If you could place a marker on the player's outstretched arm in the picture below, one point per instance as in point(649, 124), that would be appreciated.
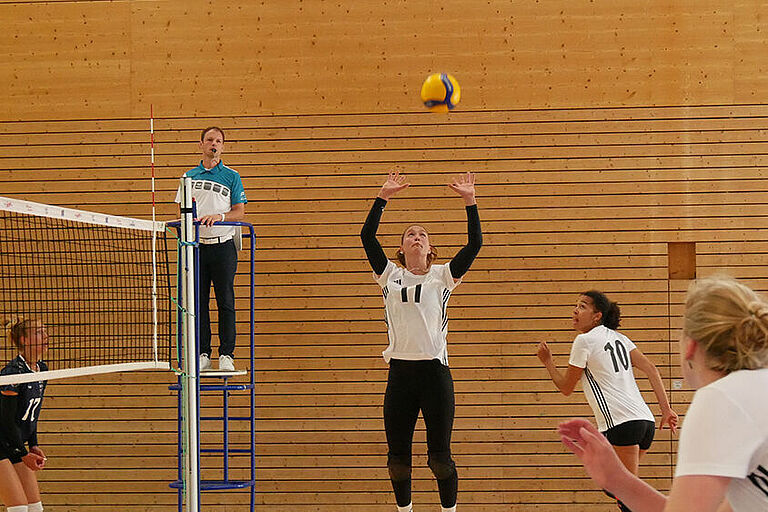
point(464, 185)
point(645, 365)
point(376, 257)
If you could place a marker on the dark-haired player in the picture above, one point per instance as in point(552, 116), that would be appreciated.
point(19, 411)
point(603, 359)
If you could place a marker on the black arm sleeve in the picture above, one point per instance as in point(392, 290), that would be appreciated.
point(461, 262)
point(373, 250)
point(12, 434)
point(33, 438)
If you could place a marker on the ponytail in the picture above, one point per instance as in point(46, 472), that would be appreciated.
point(610, 310)
point(730, 323)
point(16, 327)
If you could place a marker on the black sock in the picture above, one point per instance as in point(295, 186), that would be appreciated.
point(449, 490)
point(402, 490)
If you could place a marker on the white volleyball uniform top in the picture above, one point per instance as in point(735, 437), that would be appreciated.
point(725, 433)
point(608, 379)
point(415, 309)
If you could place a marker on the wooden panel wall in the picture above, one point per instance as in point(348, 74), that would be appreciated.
point(570, 199)
point(600, 133)
point(96, 59)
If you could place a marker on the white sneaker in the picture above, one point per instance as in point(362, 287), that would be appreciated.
point(226, 363)
point(205, 362)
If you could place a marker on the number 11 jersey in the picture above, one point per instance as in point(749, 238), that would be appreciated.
point(416, 312)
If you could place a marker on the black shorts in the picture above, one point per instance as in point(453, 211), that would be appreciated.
point(635, 432)
point(5, 454)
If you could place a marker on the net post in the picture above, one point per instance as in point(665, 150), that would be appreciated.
point(189, 346)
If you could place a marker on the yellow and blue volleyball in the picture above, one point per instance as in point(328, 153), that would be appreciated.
point(440, 92)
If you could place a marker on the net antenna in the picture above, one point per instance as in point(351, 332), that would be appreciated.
point(91, 278)
point(154, 233)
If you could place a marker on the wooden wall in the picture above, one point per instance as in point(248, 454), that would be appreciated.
point(598, 134)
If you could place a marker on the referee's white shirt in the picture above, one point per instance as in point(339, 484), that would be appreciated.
point(608, 379)
point(416, 316)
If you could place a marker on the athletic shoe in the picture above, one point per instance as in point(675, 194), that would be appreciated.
point(205, 362)
point(226, 364)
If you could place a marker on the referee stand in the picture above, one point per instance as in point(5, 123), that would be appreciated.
point(190, 386)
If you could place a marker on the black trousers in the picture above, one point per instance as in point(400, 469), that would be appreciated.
point(425, 386)
point(218, 265)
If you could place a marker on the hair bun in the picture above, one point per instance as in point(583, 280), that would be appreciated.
point(758, 309)
point(12, 321)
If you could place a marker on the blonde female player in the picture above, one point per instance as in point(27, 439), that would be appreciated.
point(19, 411)
point(722, 457)
point(603, 359)
point(415, 299)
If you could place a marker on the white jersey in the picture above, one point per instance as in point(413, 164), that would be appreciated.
point(416, 316)
point(608, 379)
point(725, 433)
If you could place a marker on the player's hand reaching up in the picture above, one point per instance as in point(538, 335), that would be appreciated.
point(543, 352)
point(394, 184)
point(464, 185)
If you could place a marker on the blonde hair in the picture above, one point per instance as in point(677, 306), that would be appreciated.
point(730, 323)
point(17, 327)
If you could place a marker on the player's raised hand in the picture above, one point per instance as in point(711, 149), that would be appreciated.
point(464, 185)
point(394, 184)
point(543, 352)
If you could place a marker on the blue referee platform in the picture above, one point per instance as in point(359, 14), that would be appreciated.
point(219, 387)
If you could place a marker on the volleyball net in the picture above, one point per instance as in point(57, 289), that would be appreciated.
point(100, 283)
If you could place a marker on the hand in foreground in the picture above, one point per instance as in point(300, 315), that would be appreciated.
point(669, 417)
point(394, 184)
point(34, 461)
point(464, 185)
point(543, 352)
point(595, 452)
point(38, 451)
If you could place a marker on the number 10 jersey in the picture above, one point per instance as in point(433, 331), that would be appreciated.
point(608, 379)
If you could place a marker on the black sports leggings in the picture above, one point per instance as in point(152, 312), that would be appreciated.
point(425, 386)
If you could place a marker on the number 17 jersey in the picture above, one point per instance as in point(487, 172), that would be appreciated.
point(416, 312)
point(608, 379)
point(29, 396)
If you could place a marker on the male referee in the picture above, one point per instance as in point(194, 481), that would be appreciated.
point(219, 195)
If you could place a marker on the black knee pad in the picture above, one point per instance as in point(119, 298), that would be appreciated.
point(399, 468)
point(442, 465)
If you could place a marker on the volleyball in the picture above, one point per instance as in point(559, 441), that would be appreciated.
point(440, 92)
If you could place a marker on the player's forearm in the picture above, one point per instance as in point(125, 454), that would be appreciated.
point(637, 495)
point(557, 377)
point(658, 388)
